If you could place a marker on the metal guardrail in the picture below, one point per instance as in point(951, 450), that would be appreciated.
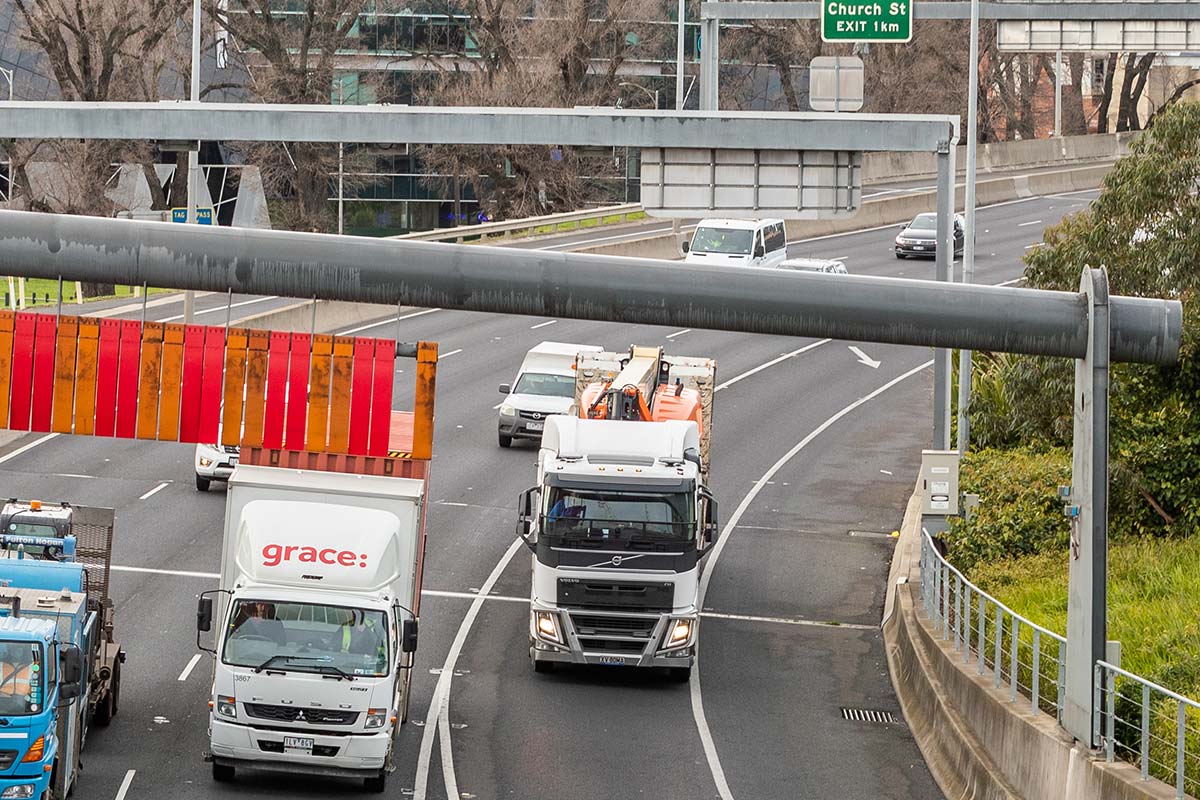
point(1029, 659)
point(1136, 720)
point(529, 225)
point(1153, 727)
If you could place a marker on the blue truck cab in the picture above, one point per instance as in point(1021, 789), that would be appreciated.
point(59, 667)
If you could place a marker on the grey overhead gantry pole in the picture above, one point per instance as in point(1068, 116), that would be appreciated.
point(945, 272)
point(964, 356)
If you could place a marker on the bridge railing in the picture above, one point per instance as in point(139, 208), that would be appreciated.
point(1136, 720)
point(1027, 658)
point(528, 226)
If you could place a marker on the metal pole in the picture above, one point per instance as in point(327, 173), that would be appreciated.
point(1057, 92)
point(341, 218)
point(945, 261)
point(8, 76)
point(709, 66)
point(964, 356)
point(679, 56)
point(1088, 512)
point(189, 298)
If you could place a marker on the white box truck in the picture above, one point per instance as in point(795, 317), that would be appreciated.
point(314, 622)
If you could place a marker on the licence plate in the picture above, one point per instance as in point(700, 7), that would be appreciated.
point(298, 745)
point(616, 661)
point(535, 426)
point(919, 247)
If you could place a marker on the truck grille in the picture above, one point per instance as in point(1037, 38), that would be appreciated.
point(230, 449)
point(313, 716)
point(318, 750)
point(597, 625)
point(7, 757)
point(617, 595)
point(534, 415)
point(610, 646)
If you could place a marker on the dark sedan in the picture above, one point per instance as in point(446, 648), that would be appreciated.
point(919, 237)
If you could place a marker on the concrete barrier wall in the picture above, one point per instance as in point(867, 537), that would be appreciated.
point(978, 744)
point(894, 210)
point(331, 316)
point(994, 156)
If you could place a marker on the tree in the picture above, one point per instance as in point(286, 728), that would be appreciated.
point(571, 53)
point(1145, 230)
point(97, 50)
point(291, 56)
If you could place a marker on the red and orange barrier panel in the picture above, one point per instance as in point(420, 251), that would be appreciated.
point(197, 383)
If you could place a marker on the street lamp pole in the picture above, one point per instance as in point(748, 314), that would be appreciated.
point(964, 356)
point(679, 59)
point(189, 297)
point(341, 217)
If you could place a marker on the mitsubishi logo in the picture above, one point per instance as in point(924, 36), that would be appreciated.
point(300, 716)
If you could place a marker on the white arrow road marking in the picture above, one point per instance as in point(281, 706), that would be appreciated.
point(863, 358)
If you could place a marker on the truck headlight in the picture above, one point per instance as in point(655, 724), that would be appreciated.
point(205, 461)
point(376, 717)
point(507, 411)
point(546, 625)
point(680, 633)
point(21, 790)
point(226, 707)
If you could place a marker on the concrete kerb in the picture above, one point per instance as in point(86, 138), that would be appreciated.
point(976, 742)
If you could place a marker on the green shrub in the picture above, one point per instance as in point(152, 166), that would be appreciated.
point(1019, 511)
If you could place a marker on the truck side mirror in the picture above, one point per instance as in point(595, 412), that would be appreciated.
point(506, 389)
point(685, 246)
point(69, 691)
point(712, 526)
point(525, 515)
point(71, 667)
point(759, 251)
point(204, 614)
point(408, 636)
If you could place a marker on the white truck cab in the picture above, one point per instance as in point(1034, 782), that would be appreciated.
point(314, 630)
point(737, 243)
point(545, 385)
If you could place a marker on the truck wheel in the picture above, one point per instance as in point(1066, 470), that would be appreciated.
point(222, 773)
point(505, 441)
point(376, 784)
point(679, 674)
point(202, 484)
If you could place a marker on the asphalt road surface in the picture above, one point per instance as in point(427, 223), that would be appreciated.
point(814, 456)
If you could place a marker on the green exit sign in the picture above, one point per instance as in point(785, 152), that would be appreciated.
point(884, 21)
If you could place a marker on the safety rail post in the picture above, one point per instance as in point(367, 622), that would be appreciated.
point(1110, 706)
point(967, 625)
point(998, 655)
point(982, 625)
point(945, 605)
point(1145, 732)
point(1037, 669)
point(1012, 659)
point(1097, 681)
point(1060, 684)
point(1180, 744)
point(957, 611)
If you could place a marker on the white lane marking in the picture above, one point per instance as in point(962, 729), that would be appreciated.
point(154, 491)
point(441, 693)
point(451, 353)
point(863, 358)
point(28, 447)
point(710, 748)
point(176, 572)
point(1010, 283)
point(497, 405)
point(191, 665)
point(678, 333)
point(853, 626)
point(370, 325)
point(125, 784)
point(771, 363)
point(215, 309)
point(1032, 246)
point(472, 596)
point(74, 475)
point(542, 324)
point(1027, 224)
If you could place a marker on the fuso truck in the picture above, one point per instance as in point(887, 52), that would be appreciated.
point(315, 622)
point(621, 517)
point(60, 668)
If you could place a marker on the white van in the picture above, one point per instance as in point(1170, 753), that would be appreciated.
point(545, 385)
point(738, 243)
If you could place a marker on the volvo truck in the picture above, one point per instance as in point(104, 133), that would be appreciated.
point(621, 516)
point(60, 666)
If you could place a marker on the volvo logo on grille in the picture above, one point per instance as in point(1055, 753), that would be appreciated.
point(616, 561)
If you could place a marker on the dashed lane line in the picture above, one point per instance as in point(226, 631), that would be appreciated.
point(28, 447)
point(191, 665)
point(155, 490)
point(543, 324)
point(370, 325)
point(678, 333)
point(215, 309)
point(1027, 224)
point(451, 353)
point(125, 784)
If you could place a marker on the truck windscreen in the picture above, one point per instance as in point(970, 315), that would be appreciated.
point(21, 680)
point(307, 637)
point(620, 516)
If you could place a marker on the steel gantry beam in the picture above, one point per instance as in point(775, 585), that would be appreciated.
point(579, 286)
point(1165, 10)
point(385, 124)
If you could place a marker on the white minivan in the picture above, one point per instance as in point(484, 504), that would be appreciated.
point(738, 243)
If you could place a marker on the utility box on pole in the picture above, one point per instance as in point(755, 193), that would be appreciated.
point(939, 483)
